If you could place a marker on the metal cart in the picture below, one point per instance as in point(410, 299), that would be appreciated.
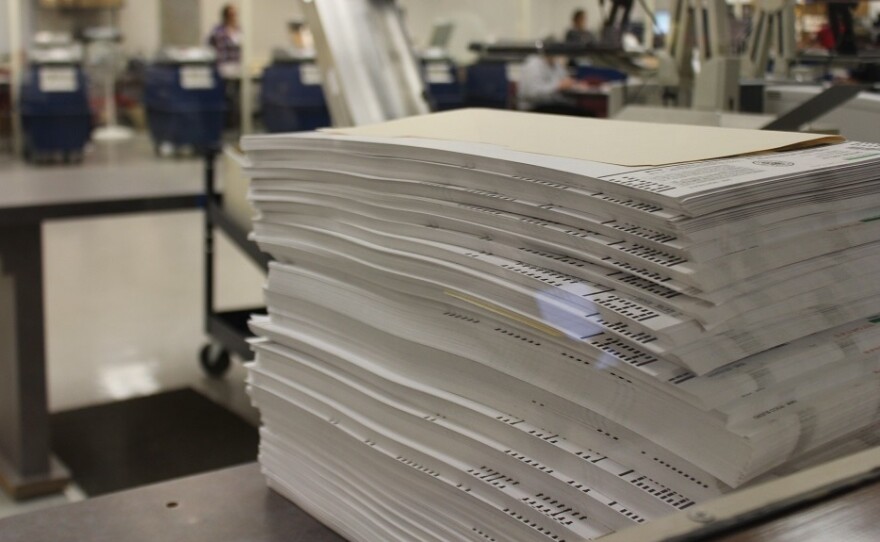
point(227, 330)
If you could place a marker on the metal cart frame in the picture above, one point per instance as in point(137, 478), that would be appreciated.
point(228, 330)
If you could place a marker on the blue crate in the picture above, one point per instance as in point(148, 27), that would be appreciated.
point(445, 95)
point(54, 120)
point(600, 74)
point(200, 128)
point(290, 104)
point(487, 85)
point(56, 133)
point(280, 118)
point(164, 89)
point(182, 114)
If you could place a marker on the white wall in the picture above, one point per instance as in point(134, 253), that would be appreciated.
point(549, 17)
point(270, 22)
point(4, 29)
point(56, 20)
point(554, 17)
point(477, 20)
point(482, 20)
point(210, 14)
point(139, 23)
point(491, 18)
point(138, 20)
point(510, 19)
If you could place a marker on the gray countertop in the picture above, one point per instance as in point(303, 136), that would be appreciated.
point(229, 505)
point(110, 175)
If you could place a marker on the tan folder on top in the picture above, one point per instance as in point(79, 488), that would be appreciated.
point(611, 141)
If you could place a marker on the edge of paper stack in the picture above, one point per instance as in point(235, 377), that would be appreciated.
point(469, 341)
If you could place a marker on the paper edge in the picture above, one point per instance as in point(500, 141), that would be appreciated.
point(816, 141)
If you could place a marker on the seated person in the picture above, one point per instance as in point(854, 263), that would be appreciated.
point(542, 83)
point(578, 33)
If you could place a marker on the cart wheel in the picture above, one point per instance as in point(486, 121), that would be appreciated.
point(215, 360)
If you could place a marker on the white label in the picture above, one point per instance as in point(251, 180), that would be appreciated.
point(681, 181)
point(196, 77)
point(58, 80)
point(439, 74)
point(309, 74)
point(513, 71)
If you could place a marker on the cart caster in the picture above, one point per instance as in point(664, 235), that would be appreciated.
point(215, 360)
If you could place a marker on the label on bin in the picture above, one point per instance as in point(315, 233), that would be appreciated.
point(196, 77)
point(438, 73)
point(58, 79)
point(309, 74)
point(513, 70)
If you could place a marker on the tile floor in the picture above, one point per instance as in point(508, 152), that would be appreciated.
point(124, 311)
point(124, 306)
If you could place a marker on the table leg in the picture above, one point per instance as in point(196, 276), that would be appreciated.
point(26, 467)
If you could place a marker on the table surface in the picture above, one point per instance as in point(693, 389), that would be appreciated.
point(229, 505)
point(234, 504)
point(851, 517)
point(110, 173)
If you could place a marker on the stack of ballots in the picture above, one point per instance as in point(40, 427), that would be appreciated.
point(489, 325)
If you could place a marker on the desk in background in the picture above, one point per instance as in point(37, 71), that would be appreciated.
point(115, 179)
point(602, 101)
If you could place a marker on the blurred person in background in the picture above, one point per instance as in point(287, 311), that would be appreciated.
point(578, 33)
point(225, 38)
point(543, 84)
point(840, 19)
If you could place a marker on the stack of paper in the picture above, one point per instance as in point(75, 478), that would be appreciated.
point(491, 325)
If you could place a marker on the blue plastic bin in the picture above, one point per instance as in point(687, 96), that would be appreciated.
point(487, 85)
point(185, 108)
point(289, 102)
point(444, 85)
point(600, 74)
point(54, 109)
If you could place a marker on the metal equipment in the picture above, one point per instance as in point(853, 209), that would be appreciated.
point(370, 71)
point(715, 85)
point(228, 329)
point(773, 27)
point(853, 110)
